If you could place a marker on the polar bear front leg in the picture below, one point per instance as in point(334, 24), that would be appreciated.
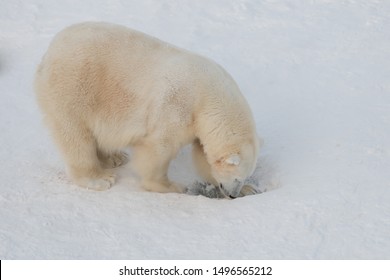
point(200, 161)
point(151, 164)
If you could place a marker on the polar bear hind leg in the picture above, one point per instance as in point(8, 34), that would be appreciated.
point(78, 147)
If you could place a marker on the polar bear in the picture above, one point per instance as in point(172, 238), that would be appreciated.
point(103, 87)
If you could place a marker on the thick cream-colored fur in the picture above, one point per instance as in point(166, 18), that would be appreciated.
point(103, 87)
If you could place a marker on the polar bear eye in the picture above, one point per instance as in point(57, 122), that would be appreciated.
point(233, 160)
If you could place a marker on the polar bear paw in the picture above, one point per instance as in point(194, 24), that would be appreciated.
point(101, 183)
point(115, 160)
point(249, 189)
point(162, 188)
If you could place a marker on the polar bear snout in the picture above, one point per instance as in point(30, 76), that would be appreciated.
point(233, 189)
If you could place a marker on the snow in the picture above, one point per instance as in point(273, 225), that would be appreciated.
point(316, 74)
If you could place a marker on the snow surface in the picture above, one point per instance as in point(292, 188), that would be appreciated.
point(317, 76)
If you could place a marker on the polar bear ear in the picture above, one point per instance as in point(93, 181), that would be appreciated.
point(233, 160)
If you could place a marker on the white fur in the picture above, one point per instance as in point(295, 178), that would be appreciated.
point(103, 87)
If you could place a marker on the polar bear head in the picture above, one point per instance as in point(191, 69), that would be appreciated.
point(230, 169)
